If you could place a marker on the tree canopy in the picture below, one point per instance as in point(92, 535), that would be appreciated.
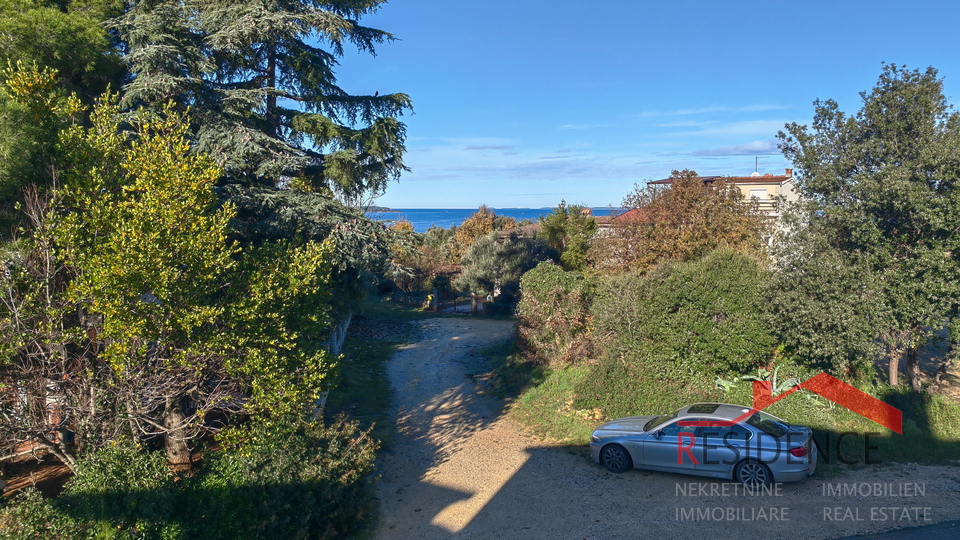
point(68, 37)
point(264, 99)
point(684, 220)
point(880, 188)
point(130, 294)
point(569, 229)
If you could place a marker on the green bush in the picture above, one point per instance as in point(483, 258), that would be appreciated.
point(271, 481)
point(285, 481)
point(553, 316)
point(665, 335)
point(126, 491)
point(491, 261)
point(692, 319)
point(30, 516)
point(120, 492)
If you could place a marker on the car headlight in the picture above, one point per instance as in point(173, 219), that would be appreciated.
point(594, 438)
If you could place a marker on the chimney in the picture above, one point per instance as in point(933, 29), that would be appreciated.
point(789, 172)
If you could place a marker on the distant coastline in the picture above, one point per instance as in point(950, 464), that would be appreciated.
point(424, 218)
point(378, 210)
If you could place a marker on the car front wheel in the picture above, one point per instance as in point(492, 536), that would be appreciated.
point(753, 474)
point(616, 458)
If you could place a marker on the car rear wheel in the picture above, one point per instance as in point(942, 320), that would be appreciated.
point(616, 458)
point(753, 474)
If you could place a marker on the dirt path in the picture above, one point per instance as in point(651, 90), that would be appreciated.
point(462, 468)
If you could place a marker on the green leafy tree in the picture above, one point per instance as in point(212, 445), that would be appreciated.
point(133, 299)
point(265, 100)
point(493, 266)
point(826, 308)
point(880, 187)
point(361, 246)
point(149, 253)
point(34, 110)
point(48, 51)
point(149, 246)
point(569, 229)
point(483, 222)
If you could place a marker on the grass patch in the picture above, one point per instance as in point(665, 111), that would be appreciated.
point(566, 404)
point(362, 390)
point(509, 377)
point(931, 426)
point(385, 308)
point(548, 407)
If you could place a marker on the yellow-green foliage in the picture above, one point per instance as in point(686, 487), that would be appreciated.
point(142, 229)
point(276, 324)
point(33, 110)
point(148, 246)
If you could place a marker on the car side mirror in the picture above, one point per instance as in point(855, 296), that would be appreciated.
point(657, 434)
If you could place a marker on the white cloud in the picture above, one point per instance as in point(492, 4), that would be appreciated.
point(716, 108)
point(748, 127)
point(755, 148)
point(686, 123)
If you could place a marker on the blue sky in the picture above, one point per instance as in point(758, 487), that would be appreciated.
point(523, 103)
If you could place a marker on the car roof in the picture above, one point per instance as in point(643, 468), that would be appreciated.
point(721, 411)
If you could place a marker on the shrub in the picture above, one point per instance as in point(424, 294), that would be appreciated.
point(698, 318)
point(288, 481)
point(491, 262)
point(568, 229)
point(30, 516)
point(120, 492)
point(126, 490)
point(667, 334)
point(554, 315)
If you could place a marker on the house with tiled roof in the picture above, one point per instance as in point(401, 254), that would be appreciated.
point(765, 188)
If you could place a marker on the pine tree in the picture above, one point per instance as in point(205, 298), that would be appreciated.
point(264, 98)
point(68, 37)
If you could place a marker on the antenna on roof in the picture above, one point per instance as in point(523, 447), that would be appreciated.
point(756, 166)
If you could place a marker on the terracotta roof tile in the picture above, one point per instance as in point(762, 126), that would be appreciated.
point(765, 179)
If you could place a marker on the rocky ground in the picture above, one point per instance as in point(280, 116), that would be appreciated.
point(461, 467)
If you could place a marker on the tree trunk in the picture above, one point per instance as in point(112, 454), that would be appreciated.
point(913, 368)
point(273, 120)
point(953, 349)
point(175, 438)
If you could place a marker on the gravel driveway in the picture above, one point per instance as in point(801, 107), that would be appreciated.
point(461, 467)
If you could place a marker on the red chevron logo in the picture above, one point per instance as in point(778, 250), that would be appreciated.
point(824, 385)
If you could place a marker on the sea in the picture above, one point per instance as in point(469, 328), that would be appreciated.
point(424, 218)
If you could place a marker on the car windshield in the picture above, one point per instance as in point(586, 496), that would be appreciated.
point(768, 424)
point(660, 420)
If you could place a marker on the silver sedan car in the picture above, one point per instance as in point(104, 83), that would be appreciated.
point(716, 440)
